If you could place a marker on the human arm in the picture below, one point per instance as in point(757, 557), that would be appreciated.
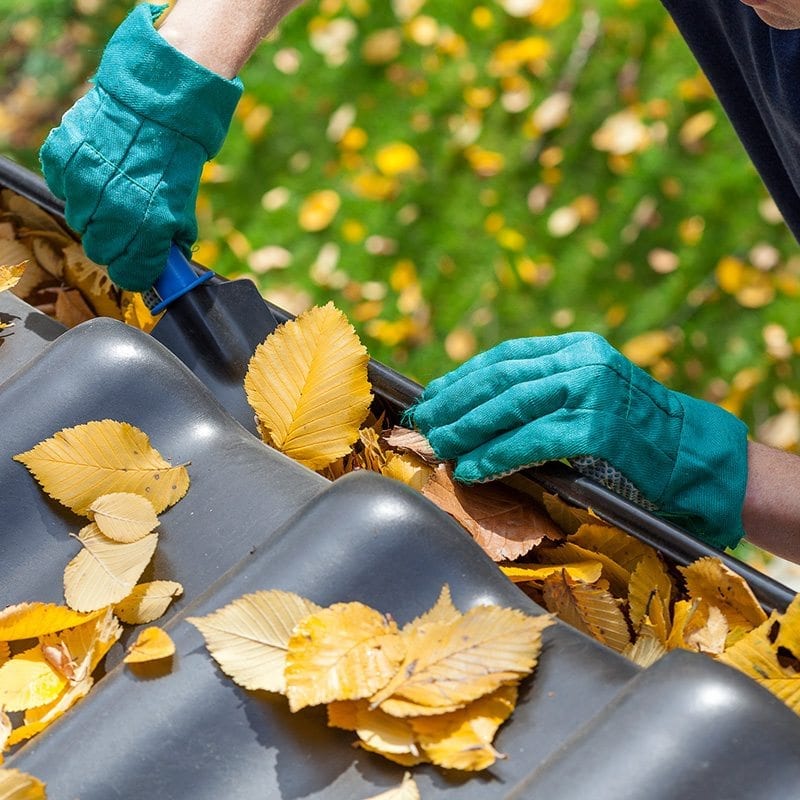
point(222, 36)
point(771, 512)
point(128, 156)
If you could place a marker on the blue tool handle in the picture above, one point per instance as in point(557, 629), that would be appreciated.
point(178, 278)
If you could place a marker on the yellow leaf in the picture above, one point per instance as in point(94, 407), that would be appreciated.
point(407, 790)
point(646, 650)
point(383, 733)
point(307, 383)
point(152, 644)
point(5, 652)
point(648, 348)
point(587, 608)
point(123, 516)
point(568, 518)
point(585, 571)
point(136, 314)
point(442, 611)
point(250, 636)
point(688, 616)
point(342, 714)
point(789, 633)
point(650, 583)
point(710, 581)
point(78, 465)
point(5, 731)
point(28, 680)
point(37, 719)
point(32, 620)
point(568, 553)
point(105, 571)
point(10, 276)
point(463, 739)
point(408, 469)
point(86, 644)
point(404, 759)
point(619, 546)
point(16, 785)
point(712, 636)
point(344, 652)
point(147, 602)
point(454, 663)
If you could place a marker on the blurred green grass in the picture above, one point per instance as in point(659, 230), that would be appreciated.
point(507, 221)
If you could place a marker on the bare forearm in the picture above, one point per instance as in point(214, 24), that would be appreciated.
point(771, 513)
point(222, 36)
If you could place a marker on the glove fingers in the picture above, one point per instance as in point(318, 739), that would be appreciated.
point(511, 350)
point(511, 410)
point(139, 265)
point(538, 441)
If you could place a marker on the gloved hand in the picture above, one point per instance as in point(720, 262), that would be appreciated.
point(527, 401)
point(128, 155)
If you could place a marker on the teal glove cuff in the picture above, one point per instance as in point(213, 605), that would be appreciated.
point(148, 75)
point(575, 397)
point(128, 156)
point(707, 488)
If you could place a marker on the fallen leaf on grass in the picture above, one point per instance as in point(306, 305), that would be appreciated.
point(504, 523)
point(249, 637)
point(77, 465)
point(152, 644)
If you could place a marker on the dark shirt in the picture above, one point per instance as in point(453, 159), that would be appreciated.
point(755, 71)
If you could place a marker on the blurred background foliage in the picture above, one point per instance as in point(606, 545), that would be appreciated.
point(453, 173)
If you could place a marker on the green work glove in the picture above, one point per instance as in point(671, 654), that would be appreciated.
point(128, 155)
point(574, 396)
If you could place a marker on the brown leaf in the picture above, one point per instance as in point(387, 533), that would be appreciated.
point(504, 523)
point(405, 440)
point(71, 308)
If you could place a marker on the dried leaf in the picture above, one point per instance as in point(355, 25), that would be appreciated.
point(687, 616)
point(587, 608)
point(5, 731)
point(407, 790)
point(344, 652)
point(463, 739)
point(152, 644)
point(585, 571)
point(31, 217)
point(568, 553)
point(620, 547)
point(147, 602)
point(649, 584)
point(712, 636)
point(71, 308)
point(28, 680)
point(48, 255)
point(16, 785)
point(123, 516)
point(37, 719)
point(384, 733)
point(568, 518)
point(442, 611)
point(11, 275)
point(505, 523)
point(136, 314)
point(307, 383)
point(407, 441)
point(105, 571)
point(250, 636)
point(33, 620)
point(92, 281)
point(454, 663)
point(646, 650)
point(711, 582)
point(5, 652)
point(78, 465)
point(407, 468)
